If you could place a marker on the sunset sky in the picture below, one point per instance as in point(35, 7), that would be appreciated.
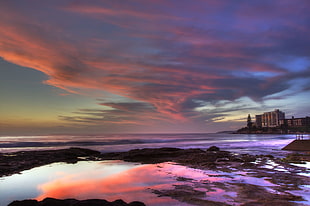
point(143, 66)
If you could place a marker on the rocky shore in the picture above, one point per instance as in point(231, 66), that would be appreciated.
point(15, 162)
point(284, 177)
point(74, 202)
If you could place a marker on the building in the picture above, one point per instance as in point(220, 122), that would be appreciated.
point(296, 125)
point(275, 122)
point(298, 122)
point(270, 119)
point(258, 121)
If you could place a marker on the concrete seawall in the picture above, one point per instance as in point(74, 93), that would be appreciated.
point(298, 145)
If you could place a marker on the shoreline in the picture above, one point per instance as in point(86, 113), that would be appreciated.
point(208, 160)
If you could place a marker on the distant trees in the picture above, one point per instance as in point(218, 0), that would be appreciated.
point(249, 128)
point(249, 123)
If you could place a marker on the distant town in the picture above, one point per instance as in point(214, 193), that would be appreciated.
point(274, 122)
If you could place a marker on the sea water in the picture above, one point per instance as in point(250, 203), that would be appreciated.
point(258, 144)
point(113, 180)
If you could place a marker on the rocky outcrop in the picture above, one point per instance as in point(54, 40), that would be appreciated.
point(210, 159)
point(196, 158)
point(73, 202)
point(213, 149)
point(15, 162)
point(11, 163)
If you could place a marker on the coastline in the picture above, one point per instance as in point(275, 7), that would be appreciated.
point(255, 166)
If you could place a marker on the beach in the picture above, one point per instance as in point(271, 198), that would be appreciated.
point(157, 176)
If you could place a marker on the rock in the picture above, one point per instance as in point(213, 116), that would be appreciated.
point(298, 158)
point(73, 202)
point(195, 158)
point(24, 203)
point(153, 155)
point(248, 158)
point(18, 161)
point(253, 195)
point(136, 203)
point(184, 179)
point(224, 159)
point(188, 194)
point(213, 149)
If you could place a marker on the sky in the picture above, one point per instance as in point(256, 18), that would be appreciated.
point(150, 66)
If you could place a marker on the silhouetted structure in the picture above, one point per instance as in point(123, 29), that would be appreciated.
point(249, 123)
point(298, 122)
point(275, 122)
point(258, 121)
point(301, 124)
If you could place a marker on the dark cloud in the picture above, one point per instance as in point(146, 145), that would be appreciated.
point(130, 106)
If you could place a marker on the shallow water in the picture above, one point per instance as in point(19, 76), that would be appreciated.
point(305, 165)
point(108, 180)
point(113, 180)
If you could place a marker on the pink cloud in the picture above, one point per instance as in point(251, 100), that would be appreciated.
point(120, 10)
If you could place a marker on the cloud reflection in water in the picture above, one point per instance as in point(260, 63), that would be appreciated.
point(109, 180)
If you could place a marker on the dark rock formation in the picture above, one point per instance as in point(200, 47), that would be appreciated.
point(188, 194)
point(196, 158)
point(213, 149)
point(73, 202)
point(149, 155)
point(15, 162)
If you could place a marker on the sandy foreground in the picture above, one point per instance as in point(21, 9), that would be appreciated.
point(241, 179)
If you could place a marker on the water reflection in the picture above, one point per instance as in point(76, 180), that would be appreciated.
point(108, 180)
point(130, 184)
point(113, 180)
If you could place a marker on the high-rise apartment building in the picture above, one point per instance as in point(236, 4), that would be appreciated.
point(270, 119)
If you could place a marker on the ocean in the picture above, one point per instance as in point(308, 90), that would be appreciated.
point(241, 143)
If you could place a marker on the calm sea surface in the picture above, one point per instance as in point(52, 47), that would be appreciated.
point(113, 180)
